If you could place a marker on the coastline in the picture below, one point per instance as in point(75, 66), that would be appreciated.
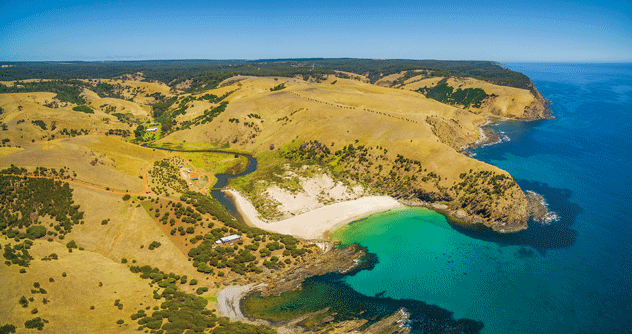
point(315, 224)
point(229, 301)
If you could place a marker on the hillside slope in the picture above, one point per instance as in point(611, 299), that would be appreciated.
point(410, 144)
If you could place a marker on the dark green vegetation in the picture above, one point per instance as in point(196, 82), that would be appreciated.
point(73, 132)
point(84, 109)
point(478, 190)
point(67, 90)
point(446, 94)
point(209, 115)
point(277, 87)
point(23, 200)
point(239, 258)
point(7, 329)
point(167, 175)
point(161, 104)
point(180, 311)
point(207, 74)
point(118, 132)
point(104, 89)
point(189, 217)
point(37, 323)
point(39, 123)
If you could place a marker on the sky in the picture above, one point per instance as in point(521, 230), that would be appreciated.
point(505, 31)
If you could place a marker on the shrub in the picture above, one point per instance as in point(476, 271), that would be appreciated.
point(34, 323)
point(120, 321)
point(154, 244)
point(84, 109)
point(35, 232)
point(6, 329)
point(126, 197)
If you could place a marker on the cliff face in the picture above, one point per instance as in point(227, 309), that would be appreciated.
point(503, 207)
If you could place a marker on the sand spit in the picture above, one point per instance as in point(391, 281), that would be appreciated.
point(317, 223)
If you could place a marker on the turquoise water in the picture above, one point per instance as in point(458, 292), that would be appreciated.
point(572, 276)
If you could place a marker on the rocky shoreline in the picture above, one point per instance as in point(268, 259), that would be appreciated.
point(342, 260)
point(536, 208)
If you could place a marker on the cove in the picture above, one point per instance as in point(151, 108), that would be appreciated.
point(572, 276)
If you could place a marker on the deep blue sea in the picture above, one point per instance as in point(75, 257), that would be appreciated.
point(572, 276)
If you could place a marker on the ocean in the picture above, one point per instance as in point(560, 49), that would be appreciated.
point(571, 275)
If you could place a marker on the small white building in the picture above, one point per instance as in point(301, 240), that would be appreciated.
point(230, 238)
point(152, 129)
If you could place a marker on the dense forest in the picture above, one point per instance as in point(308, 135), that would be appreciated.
point(207, 74)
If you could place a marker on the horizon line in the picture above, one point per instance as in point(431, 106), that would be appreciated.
point(309, 59)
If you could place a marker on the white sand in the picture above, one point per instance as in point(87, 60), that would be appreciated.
point(316, 223)
point(313, 192)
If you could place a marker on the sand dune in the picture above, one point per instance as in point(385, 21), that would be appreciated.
point(317, 223)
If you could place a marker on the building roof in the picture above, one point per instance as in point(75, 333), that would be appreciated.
point(230, 238)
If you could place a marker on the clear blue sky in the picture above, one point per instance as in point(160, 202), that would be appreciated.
point(533, 31)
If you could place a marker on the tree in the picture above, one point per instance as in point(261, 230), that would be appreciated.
point(6, 329)
point(34, 323)
point(140, 131)
point(167, 124)
point(36, 231)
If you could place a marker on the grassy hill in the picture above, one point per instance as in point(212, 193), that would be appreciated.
point(136, 220)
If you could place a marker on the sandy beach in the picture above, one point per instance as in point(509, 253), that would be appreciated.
point(229, 299)
point(316, 223)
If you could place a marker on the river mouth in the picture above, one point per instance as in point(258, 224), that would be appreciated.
point(222, 179)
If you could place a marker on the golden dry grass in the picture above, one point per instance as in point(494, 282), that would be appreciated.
point(27, 107)
point(339, 114)
point(387, 80)
point(118, 164)
point(139, 111)
point(414, 83)
point(4, 151)
point(72, 296)
point(510, 102)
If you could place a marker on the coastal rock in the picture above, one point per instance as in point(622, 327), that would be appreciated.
point(397, 323)
point(341, 260)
